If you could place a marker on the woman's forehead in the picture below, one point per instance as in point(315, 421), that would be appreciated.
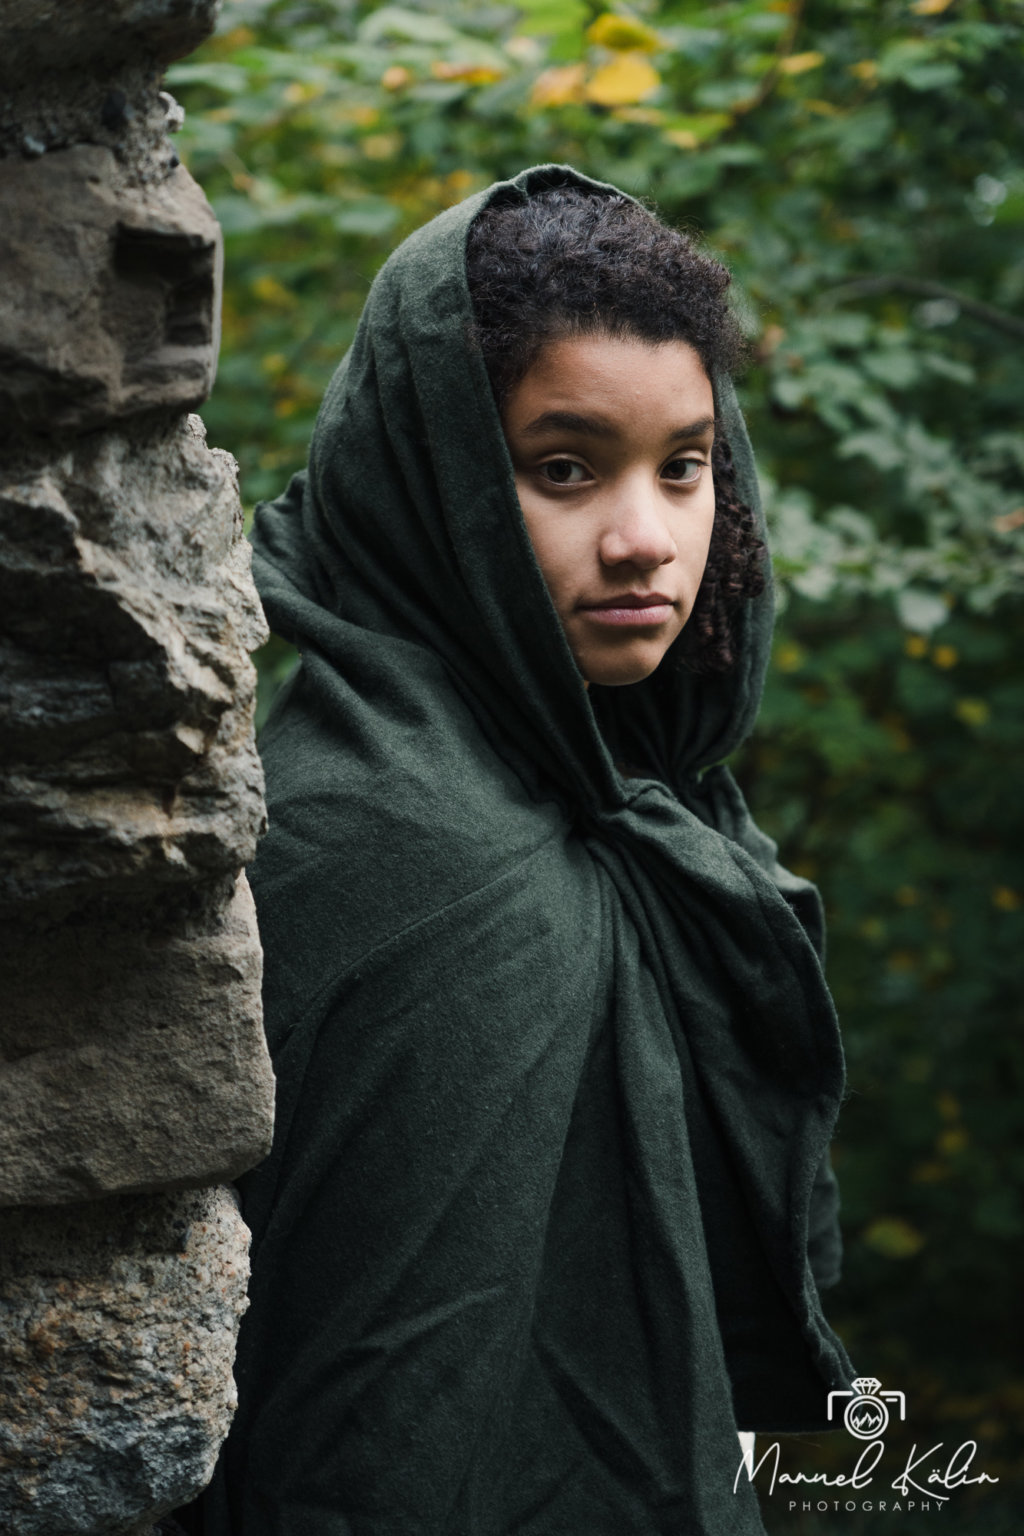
point(605, 385)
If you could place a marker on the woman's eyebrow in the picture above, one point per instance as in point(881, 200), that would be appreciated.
point(569, 421)
point(599, 426)
point(699, 428)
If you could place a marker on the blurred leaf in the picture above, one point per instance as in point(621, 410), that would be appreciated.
point(558, 86)
point(893, 1238)
point(800, 63)
point(628, 78)
point(623, 33)
point(920, 611)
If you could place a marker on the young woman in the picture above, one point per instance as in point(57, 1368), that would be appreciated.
point(557, 1066)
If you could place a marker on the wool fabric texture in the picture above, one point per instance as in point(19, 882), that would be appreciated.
point(557, 1065)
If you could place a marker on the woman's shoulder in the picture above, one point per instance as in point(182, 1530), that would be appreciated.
point(383, 811)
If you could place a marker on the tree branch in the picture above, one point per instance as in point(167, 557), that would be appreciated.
point(770, 78)
point(864, 287)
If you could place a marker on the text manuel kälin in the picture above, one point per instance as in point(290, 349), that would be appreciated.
point(923, 1481)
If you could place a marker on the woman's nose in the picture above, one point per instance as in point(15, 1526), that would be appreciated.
point(636, 531)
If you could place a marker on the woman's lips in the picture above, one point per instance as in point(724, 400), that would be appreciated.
point(639, 610)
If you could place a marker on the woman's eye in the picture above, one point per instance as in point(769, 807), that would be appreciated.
point(685, 470)
point(563, 472)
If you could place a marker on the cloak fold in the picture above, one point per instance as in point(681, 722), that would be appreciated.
point(557, 1066)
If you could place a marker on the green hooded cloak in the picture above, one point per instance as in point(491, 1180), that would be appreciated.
point(557, 1066)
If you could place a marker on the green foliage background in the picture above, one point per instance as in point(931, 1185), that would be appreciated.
point(859, 164)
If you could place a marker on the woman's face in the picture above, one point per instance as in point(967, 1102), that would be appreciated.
point(610, 439)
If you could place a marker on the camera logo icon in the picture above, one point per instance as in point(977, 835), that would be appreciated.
point(866, 1415)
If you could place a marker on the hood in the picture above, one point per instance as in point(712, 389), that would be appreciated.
point(410, 526)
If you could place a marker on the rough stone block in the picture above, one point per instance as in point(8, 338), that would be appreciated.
point(47, 35)
point(117, 1334)
point(110, 301)
point(132, 1054)
point(127, 614)
point(127, 113)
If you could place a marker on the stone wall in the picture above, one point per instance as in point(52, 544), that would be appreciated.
point(134, 1079)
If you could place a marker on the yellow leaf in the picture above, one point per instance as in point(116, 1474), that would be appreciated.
point(771, 340)
point(381, 146)
point(558, 86)
point(789, 657)
point(929, 1173)
point(334, 154)
point(458, 183)
point(948, 1105)
point(270, 291)
point(396, 77)
point(471, 74)
point(953, 1140)
point(627, 79)
point(232, 326)
point(916, 645)
point(972, 711)
point(865, 69)
point(945, 656)
point(690, 129)
point(822, 108)
point(302, 90)
point(623, 34)
point(893, 1237)
point(651, 117)
point(799, 63)
point(930, 7)
point(1007, 899)
point(360, 113)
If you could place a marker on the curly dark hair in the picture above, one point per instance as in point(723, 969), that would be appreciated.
point(570, 262)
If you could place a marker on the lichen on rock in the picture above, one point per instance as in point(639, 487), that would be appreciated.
point(117, 1336)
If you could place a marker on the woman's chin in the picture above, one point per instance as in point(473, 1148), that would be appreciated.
point(619, 668)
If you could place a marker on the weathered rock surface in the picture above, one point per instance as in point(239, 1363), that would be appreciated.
point(132, 1054)
point(127, 614)
point(131, 1050)
point(118, 1321)
point(62, 34)
point(132, 117)
point(110, 300)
